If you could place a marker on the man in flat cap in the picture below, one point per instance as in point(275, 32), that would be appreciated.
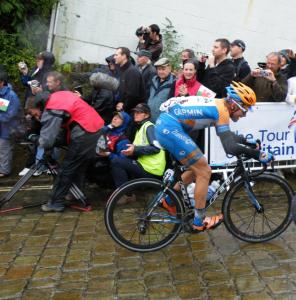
point(162, 86)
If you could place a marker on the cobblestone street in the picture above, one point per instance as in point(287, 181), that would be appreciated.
point(69, 256)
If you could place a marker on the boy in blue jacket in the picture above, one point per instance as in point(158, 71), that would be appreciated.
point(115, 136)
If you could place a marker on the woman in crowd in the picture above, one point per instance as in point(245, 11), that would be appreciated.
point(187, 85)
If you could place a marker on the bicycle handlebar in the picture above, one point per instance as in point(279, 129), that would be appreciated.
point(261, 171)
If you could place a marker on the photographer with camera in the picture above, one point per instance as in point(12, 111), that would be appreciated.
point(35, 81)
point(268, 84)
point(150, 39)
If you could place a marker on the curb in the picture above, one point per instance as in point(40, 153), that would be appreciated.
point(34, 180)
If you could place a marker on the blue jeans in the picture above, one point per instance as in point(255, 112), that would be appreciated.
point(124, 169)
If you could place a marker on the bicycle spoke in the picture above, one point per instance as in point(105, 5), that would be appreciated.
point(254, 224)
point(248, 224)
point(267, 221)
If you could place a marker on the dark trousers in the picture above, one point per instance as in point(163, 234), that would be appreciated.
point(124, 169)
point(74, 165)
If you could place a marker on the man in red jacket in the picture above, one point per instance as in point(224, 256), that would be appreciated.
point(82, 123)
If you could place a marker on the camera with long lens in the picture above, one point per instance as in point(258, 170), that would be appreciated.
point(143, 31)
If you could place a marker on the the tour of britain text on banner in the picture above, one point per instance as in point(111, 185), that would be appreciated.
point(273, 123)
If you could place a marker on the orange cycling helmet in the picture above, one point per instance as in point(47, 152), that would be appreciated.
point(240, 92)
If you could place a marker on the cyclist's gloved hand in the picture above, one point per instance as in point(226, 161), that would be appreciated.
point(39, 154)
point(265, 157)
point(254, 143)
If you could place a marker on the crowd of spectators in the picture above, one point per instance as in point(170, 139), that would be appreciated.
point(134, 91)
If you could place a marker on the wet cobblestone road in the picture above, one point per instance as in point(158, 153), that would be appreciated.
point(69, 256)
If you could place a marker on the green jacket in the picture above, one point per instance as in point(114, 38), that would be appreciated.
point(154, 163)
point(265, 90)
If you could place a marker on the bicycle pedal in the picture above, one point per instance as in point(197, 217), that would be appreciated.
point(86, 208)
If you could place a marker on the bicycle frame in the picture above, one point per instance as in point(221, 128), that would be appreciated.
point(239, 172)
point(236, 174)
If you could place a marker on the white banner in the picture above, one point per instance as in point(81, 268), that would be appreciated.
point(273, 123)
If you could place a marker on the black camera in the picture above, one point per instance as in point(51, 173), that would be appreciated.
point(262, 65)
point(142, 31)
point(79, 89)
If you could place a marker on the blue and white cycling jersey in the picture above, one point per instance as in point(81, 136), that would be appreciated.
point(196, 112)
point(182, 114)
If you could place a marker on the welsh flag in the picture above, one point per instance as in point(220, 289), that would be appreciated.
point(205, 92)
point(292, 121)
point(3, 104)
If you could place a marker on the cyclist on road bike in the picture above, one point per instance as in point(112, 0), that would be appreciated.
point(181, 115)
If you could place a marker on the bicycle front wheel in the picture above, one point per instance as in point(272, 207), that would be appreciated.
point(246, 223)
point(134, 219)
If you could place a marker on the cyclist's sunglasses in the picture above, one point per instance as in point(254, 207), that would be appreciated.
point(244, 109)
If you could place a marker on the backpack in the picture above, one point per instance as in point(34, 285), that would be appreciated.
point(238, 68)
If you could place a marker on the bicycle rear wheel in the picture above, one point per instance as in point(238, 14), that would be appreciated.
point(245, 222)
point(138, 224)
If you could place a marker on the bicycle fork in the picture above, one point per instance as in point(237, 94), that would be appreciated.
point(248, 188)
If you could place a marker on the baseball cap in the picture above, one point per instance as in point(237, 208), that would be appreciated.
point(239, 43)
point(162, 62)
point(142, 107)
point(144, 53)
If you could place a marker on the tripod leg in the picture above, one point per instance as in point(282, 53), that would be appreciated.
point(7, 197)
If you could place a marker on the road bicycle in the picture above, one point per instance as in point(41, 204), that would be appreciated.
point(256, 207)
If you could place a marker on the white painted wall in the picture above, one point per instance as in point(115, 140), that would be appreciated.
point(90, 29)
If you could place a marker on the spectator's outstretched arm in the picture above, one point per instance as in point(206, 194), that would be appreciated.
point(151, 148)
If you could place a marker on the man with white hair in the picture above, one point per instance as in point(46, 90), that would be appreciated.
point(269, 84)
